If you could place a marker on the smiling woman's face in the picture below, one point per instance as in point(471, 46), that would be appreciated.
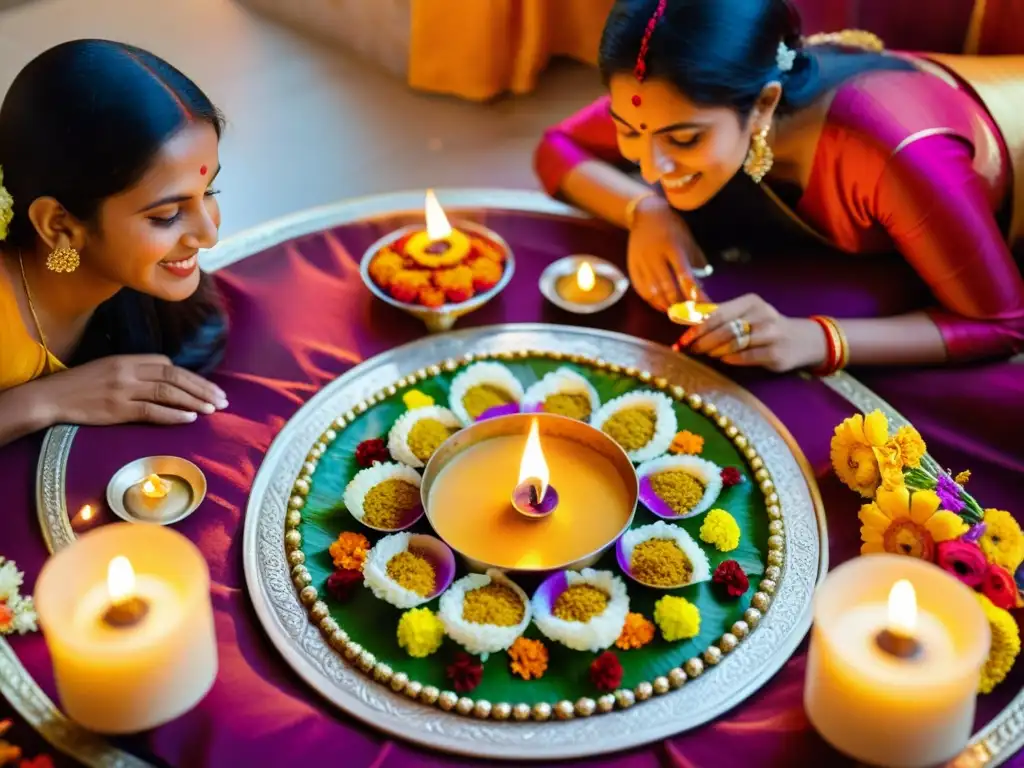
point(692, 151)
point(149, 236)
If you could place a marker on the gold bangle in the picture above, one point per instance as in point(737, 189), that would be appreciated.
point(844, 344)
point(630, 215)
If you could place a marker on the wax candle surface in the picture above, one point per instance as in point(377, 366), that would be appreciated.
point(568, 288)
point(149, 506)
point(873, 705)
point(130, 678)
point(470, 508)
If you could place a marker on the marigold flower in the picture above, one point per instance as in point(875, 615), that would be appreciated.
point(529, 658)
point(420, 632)
point(1004, 649)
point(637, 632)
point(677, 618)
point(465, 672)
point(1003, 541)
point(720, 529)
point(349, 551)
point(687, 442)
point(606, 672)
point(414, 399)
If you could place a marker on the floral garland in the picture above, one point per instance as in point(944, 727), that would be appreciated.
point(17, 613)
point(926, 513)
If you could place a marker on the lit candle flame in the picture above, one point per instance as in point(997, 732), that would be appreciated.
point(534, 466)
point(120, 579)
point(154, 487)
point(902, 609)
point(438, 227)
point(85, 514)
point(585, 277)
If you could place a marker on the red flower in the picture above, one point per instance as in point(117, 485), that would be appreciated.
point(730, 576)
point(465, 672)
point(606, 672)
point(1000, 588)
point(371, 451)
point(731, 476)
point(343, 582)
point(963, 560)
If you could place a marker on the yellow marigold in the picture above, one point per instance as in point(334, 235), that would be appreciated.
point(720, 528)
point(1005, 645)
point(1003, 541)
point(911, 445)
point(687, 442)
point(890, 466)
point(529, 658)
point(677, 618)
point(414, 399)
point(905, 523)
point(637, 632)
point(349, 551)
point(420, 632)
point(852, 451)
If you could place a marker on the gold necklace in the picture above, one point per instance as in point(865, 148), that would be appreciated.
point(32, 308)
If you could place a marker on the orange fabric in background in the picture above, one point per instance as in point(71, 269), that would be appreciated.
point(479, 49)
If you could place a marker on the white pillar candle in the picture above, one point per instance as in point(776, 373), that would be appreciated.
point(127, 617)
point(864, 697)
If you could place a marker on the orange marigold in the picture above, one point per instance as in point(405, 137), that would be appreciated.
point(349, 551)
point(637, 632)
point(688, 443)
point(529, 658)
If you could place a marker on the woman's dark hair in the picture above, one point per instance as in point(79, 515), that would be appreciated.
point(723, 52)
point(80, 123)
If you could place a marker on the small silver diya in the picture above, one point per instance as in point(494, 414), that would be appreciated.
point(560, 283)
point(161, 490)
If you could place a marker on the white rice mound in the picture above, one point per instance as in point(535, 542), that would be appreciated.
point(561, 381)
point(601, 631)
point(683, 540)
point(709, 474)
point(375, 573)
point(366, 479)
point(495, 374)
point(665, 423)
point(398, 437)
point(480, 639)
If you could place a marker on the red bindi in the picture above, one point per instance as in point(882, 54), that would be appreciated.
point(636, 99)
point(202, 170)
point(643, 126)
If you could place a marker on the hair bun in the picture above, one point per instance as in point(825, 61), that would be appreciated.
point(792, 25)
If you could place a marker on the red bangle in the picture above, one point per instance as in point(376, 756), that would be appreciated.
point(835, 347)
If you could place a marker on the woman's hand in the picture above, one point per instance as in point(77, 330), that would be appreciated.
point(750, 331)
point(657, 257)
point(126, 388)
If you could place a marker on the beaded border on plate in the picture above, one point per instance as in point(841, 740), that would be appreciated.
point(448, 701)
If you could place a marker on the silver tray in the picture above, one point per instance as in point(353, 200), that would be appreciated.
point(760, 656)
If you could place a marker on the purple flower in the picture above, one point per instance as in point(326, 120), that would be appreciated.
point(949, 494)
point(975, 533)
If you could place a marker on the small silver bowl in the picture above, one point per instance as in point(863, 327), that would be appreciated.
point(567, 267)
point(183, 474)
point(439, 319)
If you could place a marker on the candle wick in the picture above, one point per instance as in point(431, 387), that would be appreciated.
point(898, 645)
point(126, 613)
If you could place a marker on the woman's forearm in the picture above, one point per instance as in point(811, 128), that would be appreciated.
point(602, 189)
point(911, 339)
point(23, 411)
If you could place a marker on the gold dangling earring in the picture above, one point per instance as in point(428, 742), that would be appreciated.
point(63, 258)
point(760, 157)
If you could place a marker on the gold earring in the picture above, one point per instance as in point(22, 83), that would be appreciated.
point(760, 157)
point(63, 258)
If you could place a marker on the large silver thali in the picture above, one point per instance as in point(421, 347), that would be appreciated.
point(287, 622)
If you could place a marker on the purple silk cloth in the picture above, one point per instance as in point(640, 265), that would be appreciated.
point(300, 317)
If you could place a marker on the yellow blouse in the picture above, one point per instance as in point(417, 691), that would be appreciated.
point(22, 358)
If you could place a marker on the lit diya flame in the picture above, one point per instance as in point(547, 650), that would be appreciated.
point(155, 487)
point(438, 227)
point(898, 638)
point(533, 495)
point(439, 245)
point(85, 514)
point(691, 312)
point(126, 607)
point(585, 277)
